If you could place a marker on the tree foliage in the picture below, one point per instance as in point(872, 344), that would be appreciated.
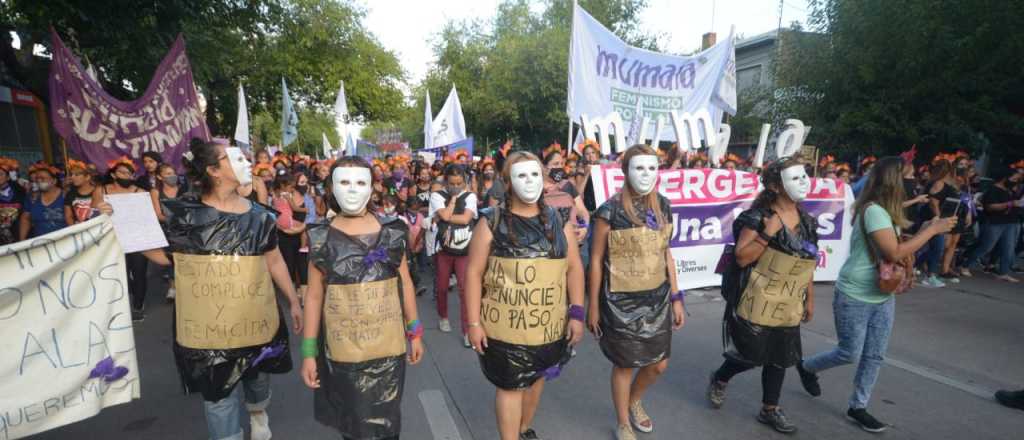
point(941, 74)
point(315, 44)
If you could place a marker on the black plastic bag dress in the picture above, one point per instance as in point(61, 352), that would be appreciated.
point(218, 262)
point(524, 304)
point(636, 312)
point(745, 341)
point(362, 342)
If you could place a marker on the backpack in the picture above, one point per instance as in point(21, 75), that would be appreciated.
point(454, 239)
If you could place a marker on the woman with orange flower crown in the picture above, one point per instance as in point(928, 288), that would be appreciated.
point(12, 201)
point(78, 197)
point(121, 180)
point(44, 212)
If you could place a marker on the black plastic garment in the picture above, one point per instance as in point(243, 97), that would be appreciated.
point(362, 398)
point(194, 228)
point(636, 316)
point(750, 343)
point(510, 365)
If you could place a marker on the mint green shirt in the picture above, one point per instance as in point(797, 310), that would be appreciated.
point(858, 278)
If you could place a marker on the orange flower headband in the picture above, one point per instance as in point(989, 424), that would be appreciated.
point(43, 166)
point(842, 166)
point(944, 156)
point(698, 156)
point(590, 143)
point(281, 159)
point(961, 154)
point(256, 169)
point(76, 165)
point(8, 164)
point(123, 160)
point(380, 163)
point(1018, 165)
point(826, 160)
point(732, 158)
point(552, 149)
point(868, 160)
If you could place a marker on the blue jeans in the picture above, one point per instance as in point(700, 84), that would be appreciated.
point(224, 417)
point(1004, 236)
point(863, 330)
point(936, 247)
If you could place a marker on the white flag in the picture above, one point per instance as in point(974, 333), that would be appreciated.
point(633, 137)
point(289, 119)
point(341, 113)
point(350, 145)
point(327, 146)
point(242, 124)
point(428, 129)
point(449, 126)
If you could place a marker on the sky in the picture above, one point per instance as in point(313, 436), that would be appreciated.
point(408, 26)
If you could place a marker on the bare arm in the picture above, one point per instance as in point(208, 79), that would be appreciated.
point(598, 247)
point(279, 272)
point(575, 274)
point(314, 302)
point(749, 247)
point(479, 248)
point(581, 209)
point(24, 225)
point(69, 216)
point(156, 205)
point(892, 250)
point(409, 309)
point(157, 256)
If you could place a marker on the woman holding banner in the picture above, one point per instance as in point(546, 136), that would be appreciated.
point(524, 296)
point(229, 327)
point(768, 288)
point(635, 302)
point(359, 291)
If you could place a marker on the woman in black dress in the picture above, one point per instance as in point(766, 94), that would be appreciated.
point(768, 288)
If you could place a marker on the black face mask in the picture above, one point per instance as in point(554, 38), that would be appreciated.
point(302, 189)
point(124, 183)
point(557, 175)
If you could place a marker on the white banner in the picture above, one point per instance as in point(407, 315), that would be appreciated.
point(705, 202)
point(449, 126)
point(65, 329)
point(607, 75)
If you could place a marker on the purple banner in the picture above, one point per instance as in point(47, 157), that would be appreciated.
point(99, 128)
point(712, 224)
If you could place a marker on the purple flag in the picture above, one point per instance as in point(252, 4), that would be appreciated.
point(100, 128)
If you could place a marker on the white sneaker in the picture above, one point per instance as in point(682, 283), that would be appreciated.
point(260, 424)
point(465, 341)
point(1008, 278)
point(171, 293)
point(932, 282)
point(452, 282)
point(444, 325)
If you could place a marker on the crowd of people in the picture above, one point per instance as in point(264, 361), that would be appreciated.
point(326, 232)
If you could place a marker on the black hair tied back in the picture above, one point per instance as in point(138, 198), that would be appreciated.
point(200, 156)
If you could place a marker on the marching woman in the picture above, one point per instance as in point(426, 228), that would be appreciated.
point(121, 180)
point(633, 288)
point(768, 288)
point(229, 329)
point(359, 292)
point(524, 296)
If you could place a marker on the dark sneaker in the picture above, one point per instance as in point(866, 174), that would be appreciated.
point(716, 392)
point(809, 380)
point(776, 419)
point(138, 316)
point(866, 421)
point(1011, 399)
point(529, 434)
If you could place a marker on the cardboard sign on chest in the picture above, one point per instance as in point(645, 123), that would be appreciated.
point(524, 300)
point(636, 258)
point(775, 292)
point(363, 321)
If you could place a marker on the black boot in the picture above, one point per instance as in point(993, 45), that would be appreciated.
point(1011, 399)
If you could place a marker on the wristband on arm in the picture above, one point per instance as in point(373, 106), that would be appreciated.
point(309, 348)
point(413, 329)
point(576, 312)
point(678, 296)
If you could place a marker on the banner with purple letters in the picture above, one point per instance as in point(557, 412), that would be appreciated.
point(98, 127)
point(704, 203)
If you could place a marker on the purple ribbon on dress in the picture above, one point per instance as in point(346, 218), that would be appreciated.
point(552, 372)
point(810, 248)
point(267, 353)
point(108, 371)
point(377, 255)
point(652, 220)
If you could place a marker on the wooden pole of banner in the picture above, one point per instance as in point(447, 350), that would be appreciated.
point(568, 96)
point(64, 151)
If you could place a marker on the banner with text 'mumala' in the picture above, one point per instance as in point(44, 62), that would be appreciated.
point(607, 75)
point(65, 329)
point(706, 201)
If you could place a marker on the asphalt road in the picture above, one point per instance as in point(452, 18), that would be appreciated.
point(951, 349)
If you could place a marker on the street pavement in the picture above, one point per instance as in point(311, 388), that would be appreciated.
point(950, 350)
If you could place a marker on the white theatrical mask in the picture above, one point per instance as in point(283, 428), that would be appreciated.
point(351, 187)
point(240, 165)
point(643, 173)
point(796, 182)
point(527, 180)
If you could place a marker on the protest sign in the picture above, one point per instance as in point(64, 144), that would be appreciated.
point(65, 329)
point(775, 293)
point(100, 128)
point(634, 257)
point(524, 300)
point(224, 301)
point(607, 75)
point(135, 222)
point(704, 203)
point(363, 321)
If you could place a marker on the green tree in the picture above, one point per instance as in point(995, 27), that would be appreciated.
point(939, 74)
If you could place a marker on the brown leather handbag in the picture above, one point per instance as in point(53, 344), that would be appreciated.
point(893, 278)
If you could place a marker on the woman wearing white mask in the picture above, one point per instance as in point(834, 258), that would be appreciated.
point(524, 296)
point(230, 333)
point(359, 291)
point(635, 302)
point(768, 288)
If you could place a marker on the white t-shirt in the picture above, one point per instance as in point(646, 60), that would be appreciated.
point(437, 202)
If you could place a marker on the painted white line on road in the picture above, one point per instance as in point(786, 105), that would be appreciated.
point(928, 373)
point(442, 425)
